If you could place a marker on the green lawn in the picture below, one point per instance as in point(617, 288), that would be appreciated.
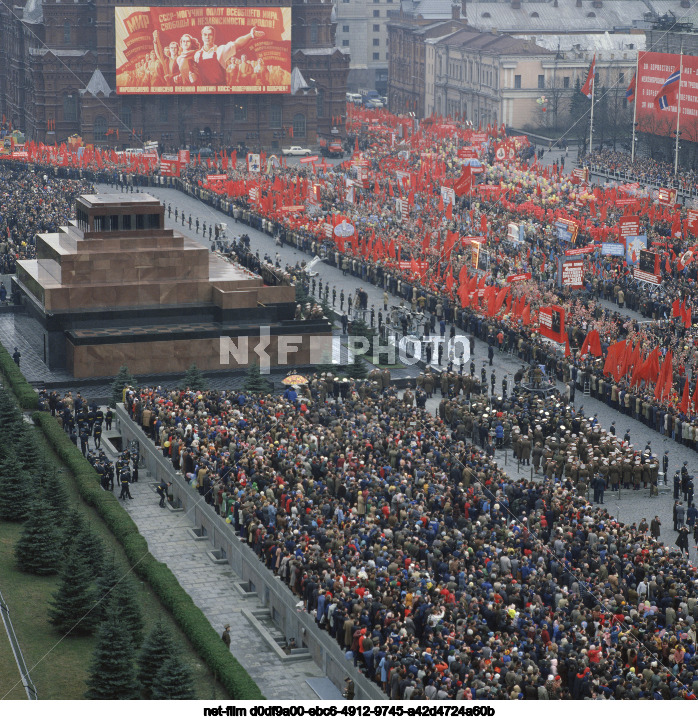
point(58, 666)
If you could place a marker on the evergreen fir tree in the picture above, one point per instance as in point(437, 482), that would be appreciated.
point(123, 379)
point(173, 681)
point(72, 528)
point(91, 548)
point(14, 488)
point(71, 610)
point(301, 296)
point(10, 416)
point(157, 648)
point(255, 382)
point(51, 487)
point(327, 311)
point(38, 549)
point(106, 582)
point(28, 453)
point(194, 379)
point(113, 669)
point(124, 601)
point(356, 369)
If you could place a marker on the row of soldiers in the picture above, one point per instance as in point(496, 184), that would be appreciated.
point(560, 442)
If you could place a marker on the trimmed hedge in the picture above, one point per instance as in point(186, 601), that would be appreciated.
point(27, 397)
point(189, 617)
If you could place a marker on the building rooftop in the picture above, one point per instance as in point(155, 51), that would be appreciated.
point(97, 85)
point(491, 43)
point(603, 45)
point(98, 200)
point(33, 12)
point(547, 17)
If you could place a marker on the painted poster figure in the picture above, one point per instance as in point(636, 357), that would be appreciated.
point(213, 59)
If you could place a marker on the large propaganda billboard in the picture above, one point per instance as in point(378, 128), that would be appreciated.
point(660, 78)
point(169, 50)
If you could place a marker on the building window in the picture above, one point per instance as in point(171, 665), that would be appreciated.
point(240, 112)
point(376, 56)
point(517, 82)
point(275, 116)
point(100, 129)
point(345, 28)
point(345, 43)
point(621, 78)
point(566, 81)
point(320, 101)
point(313, 32)
point(66, 31)
point(376, 42)
point(541, 81)
point(299, 125)
point(126, 117)
point(376, 28)
point(376, 13)
point(70, 108)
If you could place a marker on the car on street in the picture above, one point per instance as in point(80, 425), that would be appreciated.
point(296, 150)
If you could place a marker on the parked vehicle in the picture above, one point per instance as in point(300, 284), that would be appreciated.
point(331, 148)
point(296, 150)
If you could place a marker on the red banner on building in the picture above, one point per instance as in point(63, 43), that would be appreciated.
point(216, 177)
point(657, 99)
point(171, 50)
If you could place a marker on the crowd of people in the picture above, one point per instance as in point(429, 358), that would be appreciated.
point(32, 202)
point(441, 577)
point(643, 169)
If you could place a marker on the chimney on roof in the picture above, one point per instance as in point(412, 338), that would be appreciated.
point(597, 4)
point(516, 4)
point(464, 11)
point(579, 3)
point(685, 3)
point(455, 11)
point(555, 4)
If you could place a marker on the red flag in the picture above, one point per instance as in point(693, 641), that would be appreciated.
point(675, 307)
point(694, 400)
point(687, 317)
point(683, 406)
point(526, 315)
point(588, 87)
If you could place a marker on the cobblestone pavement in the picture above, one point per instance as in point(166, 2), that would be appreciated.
point(212, 588)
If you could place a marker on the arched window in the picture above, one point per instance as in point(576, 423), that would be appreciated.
point(535, 15)
point(66, 31)
point(100, 129)
point(313, 32)
point(299, 125)
point(591, 15)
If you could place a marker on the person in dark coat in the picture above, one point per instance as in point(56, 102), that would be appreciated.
point(682, 540)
